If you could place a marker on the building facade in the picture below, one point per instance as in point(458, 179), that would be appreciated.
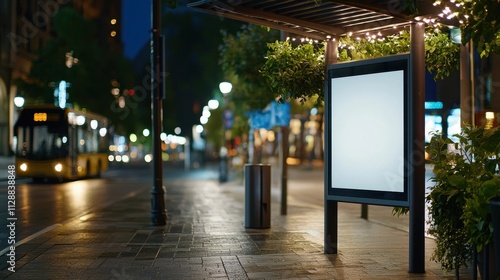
point(25, 27)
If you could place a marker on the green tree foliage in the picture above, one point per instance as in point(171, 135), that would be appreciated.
point(480, 22)
point(355, 49)
point(446, 203)
point(298, 72)
point(193, 73)
point(442, 56)
point(285, 62)
point(214, 131)
point(241, 57)
point(90, 77)
point(465, 180)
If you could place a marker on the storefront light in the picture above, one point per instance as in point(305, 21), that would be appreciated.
point(93, 124)
point(490, 115)
point(103, 131)
point(80, 120)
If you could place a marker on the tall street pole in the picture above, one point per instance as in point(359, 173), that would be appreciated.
point(158, 211)
point(283, 155)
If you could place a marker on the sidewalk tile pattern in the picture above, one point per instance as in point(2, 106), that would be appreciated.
point(205, 238)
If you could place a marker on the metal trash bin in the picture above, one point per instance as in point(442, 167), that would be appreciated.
point(257, 196)
point(223, 168)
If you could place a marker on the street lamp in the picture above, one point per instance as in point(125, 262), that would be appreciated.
point(158, 207)
point(213, 104)
point(225, 88)
point(19, 101)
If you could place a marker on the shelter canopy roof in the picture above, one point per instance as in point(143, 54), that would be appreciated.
point(320, 19)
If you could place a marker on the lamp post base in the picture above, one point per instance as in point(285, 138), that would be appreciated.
point(158, 211)
point(223, 170)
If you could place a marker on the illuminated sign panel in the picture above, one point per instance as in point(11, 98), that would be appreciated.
point(40, 117)
point(369, 131)
point(44, 117)
point(369, 134)
point(433, 105)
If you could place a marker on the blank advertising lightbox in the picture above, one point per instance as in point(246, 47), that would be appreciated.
point(368, 130)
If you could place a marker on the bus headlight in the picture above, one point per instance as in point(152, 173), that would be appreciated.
point(23, 166)
point(58, 167)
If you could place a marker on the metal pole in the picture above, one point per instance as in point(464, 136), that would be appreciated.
point(331, 206)
point(158, 211)
point(472, 84)
point(466, 96)
point(364, 211)
point(223, 153)
point(187, 155)
point(284, 169)
point(285, 130)
point(417, 184)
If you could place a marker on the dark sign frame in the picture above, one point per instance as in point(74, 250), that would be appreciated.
point(356, 194)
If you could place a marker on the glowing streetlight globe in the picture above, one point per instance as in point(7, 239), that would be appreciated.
point(133, 137)
point(225, 87)
point(213, 104)
point(18, 101)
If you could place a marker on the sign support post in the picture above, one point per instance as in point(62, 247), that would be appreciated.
point(331, 206)
point(416, 163)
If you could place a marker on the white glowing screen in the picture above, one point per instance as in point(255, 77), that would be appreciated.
point(368, 132)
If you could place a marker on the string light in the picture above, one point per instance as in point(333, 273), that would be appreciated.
point(449, 11)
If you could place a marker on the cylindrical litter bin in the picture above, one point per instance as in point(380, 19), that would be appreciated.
point(223, 170)
point(257, 196)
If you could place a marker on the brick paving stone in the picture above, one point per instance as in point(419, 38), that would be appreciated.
point(205, 238)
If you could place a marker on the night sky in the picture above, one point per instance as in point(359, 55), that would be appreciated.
point(136, 24)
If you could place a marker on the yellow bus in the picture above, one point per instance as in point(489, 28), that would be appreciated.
point(60, 143)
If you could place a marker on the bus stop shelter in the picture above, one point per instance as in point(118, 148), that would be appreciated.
point(327, 20)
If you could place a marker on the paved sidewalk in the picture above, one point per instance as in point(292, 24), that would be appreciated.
point(4, 163)
point(205, 238)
